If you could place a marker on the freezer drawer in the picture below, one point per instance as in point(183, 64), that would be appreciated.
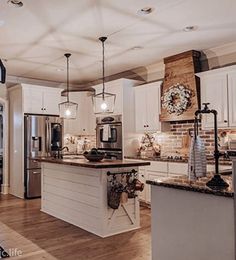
point(33, 183)
point(33, 164)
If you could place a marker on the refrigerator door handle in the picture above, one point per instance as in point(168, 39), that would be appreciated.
point(40, 143)
point(37, 172)
point(48, 137)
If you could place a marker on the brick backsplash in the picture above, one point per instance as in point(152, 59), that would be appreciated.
point(171, 141)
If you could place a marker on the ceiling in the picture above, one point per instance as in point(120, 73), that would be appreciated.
point(34, 38)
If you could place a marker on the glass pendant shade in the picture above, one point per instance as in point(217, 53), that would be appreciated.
point(104, 102)
point(68, 109)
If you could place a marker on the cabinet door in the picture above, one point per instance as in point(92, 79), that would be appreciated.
point(85, 122)
point(142, 178)
point(116, 88)
point(214, 91)
point(140, 109)
point(33, 100)
point(51, 100)
point(177, 169)
point(153, 106)
point(232, 98)
point(153, 175)
point(86, 117)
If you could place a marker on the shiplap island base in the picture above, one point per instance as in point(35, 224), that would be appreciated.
point(76, 192)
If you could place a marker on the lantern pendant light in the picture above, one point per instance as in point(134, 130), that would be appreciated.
point(68, 109)
point(103, 102)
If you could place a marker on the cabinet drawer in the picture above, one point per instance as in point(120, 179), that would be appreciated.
point(178, 168)
point(158, 167)
point(211, 167)
point(156, 175)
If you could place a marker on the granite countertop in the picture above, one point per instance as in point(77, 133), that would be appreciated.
point(98, 165)
point(183, 160)
point(183, 183)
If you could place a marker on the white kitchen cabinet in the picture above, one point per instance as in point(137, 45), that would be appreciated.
point(218, 87)
point(142, 177)
point(214, 91)
point(41, 100)
point(147, 107)
point(177, 169)
point(85, 122)
point(232, 98)
point(153, 175)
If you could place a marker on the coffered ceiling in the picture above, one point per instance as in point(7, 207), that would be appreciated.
point(34, 38)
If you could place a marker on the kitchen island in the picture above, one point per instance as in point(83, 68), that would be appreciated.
point(75, 191)
point(191, 221)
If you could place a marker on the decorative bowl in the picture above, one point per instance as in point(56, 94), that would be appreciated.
point(94, 157)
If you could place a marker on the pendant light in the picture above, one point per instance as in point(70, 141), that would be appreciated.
point(103, 102)
point(68, 109)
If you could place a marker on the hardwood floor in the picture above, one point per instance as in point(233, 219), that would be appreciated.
point(40, 236)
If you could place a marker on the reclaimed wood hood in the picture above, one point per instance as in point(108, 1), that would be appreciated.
point(180, 92)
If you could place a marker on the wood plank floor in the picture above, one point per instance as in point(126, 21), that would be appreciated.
point(40, 236)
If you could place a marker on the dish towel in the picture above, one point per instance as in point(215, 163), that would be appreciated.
point(106, 132)
point(197, 164)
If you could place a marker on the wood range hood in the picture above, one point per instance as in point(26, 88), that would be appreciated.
point(180, 78)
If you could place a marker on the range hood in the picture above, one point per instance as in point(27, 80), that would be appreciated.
point(180, 92)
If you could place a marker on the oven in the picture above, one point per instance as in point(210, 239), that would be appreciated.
point(109, 136)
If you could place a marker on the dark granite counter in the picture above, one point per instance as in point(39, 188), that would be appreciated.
point(183, 160)
point(183, 183)
point(98, 165)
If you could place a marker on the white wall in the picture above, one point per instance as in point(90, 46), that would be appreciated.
point(4, 102)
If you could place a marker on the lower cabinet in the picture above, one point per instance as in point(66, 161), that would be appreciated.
point(158, 171)
point(142, 178)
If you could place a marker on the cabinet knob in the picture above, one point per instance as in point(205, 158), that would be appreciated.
point(225, 121)
point(41, 108)
point(147, 125)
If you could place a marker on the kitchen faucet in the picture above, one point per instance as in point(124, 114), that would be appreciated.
point(216, 182)
point(59, 152)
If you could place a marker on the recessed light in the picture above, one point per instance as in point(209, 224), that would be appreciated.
point(136, 48)
point(15, 3)
point(190, 28)
point(145, 10)
point(59, 69)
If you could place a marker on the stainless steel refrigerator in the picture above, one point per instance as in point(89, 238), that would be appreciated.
point(42, 137)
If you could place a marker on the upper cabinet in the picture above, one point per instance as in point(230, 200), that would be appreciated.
point(232, 98)
point(218, 87)
point(147, 107)
point(85, 122)
point(41, 100)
